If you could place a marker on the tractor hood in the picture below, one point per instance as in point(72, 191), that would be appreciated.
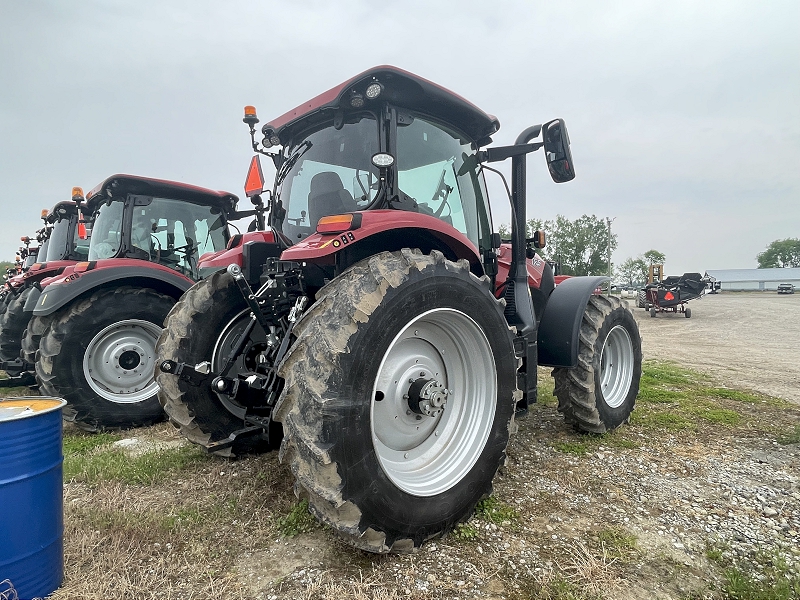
point(402, 89)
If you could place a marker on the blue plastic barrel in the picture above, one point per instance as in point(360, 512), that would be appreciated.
point(31, 504)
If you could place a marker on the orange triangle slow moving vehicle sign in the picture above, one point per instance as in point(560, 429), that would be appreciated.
point(254, 184)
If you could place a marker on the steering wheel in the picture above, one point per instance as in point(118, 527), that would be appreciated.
point(157, 246)
point(442, 189)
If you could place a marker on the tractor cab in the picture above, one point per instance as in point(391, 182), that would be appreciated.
point(67, 238)
point(384, 140)
point(164, 222)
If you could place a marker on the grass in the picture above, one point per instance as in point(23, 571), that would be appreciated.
point(791, 437)
point(298, 520)
point(617, 542)
point(675, 399)
point(766, 577)
point(92, 461)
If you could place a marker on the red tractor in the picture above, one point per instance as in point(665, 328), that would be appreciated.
point(95, 326)
point(382, 329)
point(65, 244)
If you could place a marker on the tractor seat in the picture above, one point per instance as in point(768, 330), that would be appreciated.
point(327, 196)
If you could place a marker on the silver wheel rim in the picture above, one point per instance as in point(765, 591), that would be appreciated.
point(119, 361)
point(428, 455)
point(616, 366)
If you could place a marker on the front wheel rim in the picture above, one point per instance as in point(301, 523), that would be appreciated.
point(119, 361)
point(616, 366)
point(426, 455)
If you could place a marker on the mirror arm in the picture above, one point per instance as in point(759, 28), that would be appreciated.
point(503, 152)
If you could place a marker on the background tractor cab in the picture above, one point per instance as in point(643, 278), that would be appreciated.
point(63, 243)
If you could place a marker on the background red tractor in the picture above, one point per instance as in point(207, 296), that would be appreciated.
point(95, 326)
point(386, 329)
point(66, 242)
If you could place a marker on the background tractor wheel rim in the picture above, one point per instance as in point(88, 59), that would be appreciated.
point(119, 361)
point(428, 455)
point(616, 366)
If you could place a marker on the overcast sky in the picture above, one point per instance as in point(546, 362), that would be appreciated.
point(684, 116)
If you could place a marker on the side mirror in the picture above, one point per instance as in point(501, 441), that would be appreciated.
point(557, 152)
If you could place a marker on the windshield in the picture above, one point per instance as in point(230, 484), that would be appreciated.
point(107, 231)
point(61, 247)
point(176, 233)
point(430, 161)
point(333, 174)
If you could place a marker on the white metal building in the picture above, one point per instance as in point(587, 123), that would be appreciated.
point(755, 279)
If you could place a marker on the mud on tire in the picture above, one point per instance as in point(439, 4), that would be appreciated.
point(99, 355)
point(384, 477)
point(191, 333)
point(599, 393)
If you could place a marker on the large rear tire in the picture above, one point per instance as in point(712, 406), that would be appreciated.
point(599, 393)
point(32, 337)
point(201, 327)
point(99, 355)
point(399, 397)
point(12, 325)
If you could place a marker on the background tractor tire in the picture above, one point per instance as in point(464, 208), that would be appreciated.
point(641, 299)
point(384, 477)
point(192, 331)
point(99, 355)
point(32, 337)
point(599, 393)
point(12, 325)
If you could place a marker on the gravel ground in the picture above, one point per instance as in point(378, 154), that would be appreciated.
point(677, 497)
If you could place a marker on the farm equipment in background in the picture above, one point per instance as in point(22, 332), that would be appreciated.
point(65, 243)
point(672, 293)
point(95, 326)
point(379, 325)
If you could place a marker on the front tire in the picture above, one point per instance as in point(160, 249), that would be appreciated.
point(399, 396)
point(599, 393)
point(99, 355)
point(12, 325)
point(201, 327)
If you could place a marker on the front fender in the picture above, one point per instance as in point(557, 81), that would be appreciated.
point(63, 290)
point(560, 327)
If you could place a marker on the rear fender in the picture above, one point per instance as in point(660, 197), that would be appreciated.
point(560, 326)
point(73, 284)
point(385, 230)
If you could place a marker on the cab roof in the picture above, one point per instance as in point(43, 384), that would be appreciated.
point(402, 89)
point(118, 186)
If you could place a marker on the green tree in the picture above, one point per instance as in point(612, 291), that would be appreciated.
point(581, 246)
point(780, 254)
point(633, 270)
point(654, 257)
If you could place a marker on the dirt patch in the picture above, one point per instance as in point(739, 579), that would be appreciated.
point(745, 340)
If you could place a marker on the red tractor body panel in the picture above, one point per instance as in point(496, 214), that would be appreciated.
point(321, 247)
point(232, 255)
point(534, 265)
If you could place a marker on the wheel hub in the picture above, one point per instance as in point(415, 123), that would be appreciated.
point(433, 401)
point(427, 396)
